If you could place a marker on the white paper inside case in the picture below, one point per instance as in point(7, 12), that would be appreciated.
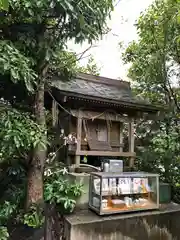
point(96, 185)
point(112, 186)
point(124, 185)
point(105, 186)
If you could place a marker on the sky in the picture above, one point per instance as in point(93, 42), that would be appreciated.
point(106, 52)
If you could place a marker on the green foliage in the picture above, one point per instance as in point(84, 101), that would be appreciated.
point(6, 211)
point(32, 49)
point(34, 217)
point(68, 65)
point(59, 191)
point(12, 194)
point(91, 67)
point(4, 5)
point(155, 62)
point(176, 193)
point(33, 38)
point(4, 235)
point(161, 154)
point(84, 20)
point(19, 67)
point(38, 32)
point(157, 50)
point(19, 134)
point(13, 179)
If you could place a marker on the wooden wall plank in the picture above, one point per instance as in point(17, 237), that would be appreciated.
point(131, 141)
point(121, 138)
point(79, 133)
point(55, 113)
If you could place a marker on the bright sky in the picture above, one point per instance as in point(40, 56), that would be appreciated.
point(107, 53)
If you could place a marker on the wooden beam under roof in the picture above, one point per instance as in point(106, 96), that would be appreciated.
point(105, 153)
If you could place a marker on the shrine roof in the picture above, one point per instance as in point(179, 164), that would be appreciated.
point(101, 88)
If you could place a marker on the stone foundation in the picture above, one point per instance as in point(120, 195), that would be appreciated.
point(163, 224)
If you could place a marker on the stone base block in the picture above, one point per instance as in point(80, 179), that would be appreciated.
point(163, 224)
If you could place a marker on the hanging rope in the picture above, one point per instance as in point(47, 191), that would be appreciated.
point(106, 112)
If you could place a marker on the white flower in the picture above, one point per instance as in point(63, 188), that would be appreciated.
point(47, 172)
point(51, 154)
point(64, 171)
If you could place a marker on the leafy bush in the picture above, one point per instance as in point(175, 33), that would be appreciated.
point(161, 155)
point(12, 184)
point(34, 217)
point(6, 211)
point(176, 193)
point(4, 235)
point(19, 134)
point(59, 191)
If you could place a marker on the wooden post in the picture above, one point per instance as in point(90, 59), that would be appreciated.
point(108, 132)
point(55, 113)
point(79, 133)
point(131, 141)
point(121, 137)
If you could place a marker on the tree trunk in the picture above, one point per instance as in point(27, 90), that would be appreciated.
point(34, 186)
point(54, 224)
point(35, 174)
point(48, 230)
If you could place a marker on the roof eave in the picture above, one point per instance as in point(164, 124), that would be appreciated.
point(135, 105)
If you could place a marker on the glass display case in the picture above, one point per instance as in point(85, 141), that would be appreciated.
point(124, 192)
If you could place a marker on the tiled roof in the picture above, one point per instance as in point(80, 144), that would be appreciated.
point(83, 84)
point(99, 87)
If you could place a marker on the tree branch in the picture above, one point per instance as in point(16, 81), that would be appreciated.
point(84, 52)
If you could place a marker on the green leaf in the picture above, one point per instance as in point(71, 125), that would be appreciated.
point(81, 21)
point(4, 4)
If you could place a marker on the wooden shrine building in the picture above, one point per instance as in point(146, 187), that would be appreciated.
point(100, 113)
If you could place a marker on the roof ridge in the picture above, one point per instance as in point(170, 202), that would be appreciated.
point(103, 80)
